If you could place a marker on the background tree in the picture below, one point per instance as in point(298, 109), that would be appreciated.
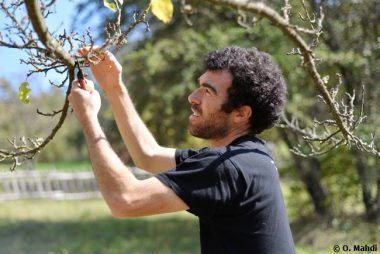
point(49, 52)
point(170, 61)
point(20, 121)
point(339, 124)
point(352, 39)
point(162, 69)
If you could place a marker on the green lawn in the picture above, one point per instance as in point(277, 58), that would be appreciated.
point(87, 227)
point(45, 226)
point(37, 226)
point(65, 166)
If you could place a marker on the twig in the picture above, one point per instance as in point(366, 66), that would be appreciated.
point(49, 114)
point(308, 58)
point(50, 56)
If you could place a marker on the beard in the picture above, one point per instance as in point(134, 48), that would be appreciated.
point(216, 125)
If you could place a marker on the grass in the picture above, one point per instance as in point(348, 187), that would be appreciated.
point(313, 235)
point(65, 166)
point(87, 227)
point(44, 226)
point(81, 227)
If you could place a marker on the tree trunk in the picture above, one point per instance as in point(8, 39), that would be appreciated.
point(351, 82)
point(374, 215)
point(363, 170)
point(309, 172)
point(377, 206)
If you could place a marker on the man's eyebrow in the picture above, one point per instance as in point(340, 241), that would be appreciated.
point(204, 84)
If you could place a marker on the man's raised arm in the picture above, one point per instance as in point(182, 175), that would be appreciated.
point(142, 146)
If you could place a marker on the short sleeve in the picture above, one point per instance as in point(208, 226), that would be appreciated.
point(197, 180)
point(182, 154)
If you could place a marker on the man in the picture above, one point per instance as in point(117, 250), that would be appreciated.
point(232, 186)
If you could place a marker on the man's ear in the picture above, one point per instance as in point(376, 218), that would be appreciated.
point(242, 114)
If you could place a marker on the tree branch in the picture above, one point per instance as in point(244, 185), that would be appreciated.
point(291, 32)
point(51, 56)
point(31, 152)
point(53, 47)
point(39, 26)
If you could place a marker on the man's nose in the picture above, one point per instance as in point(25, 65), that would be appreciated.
point(195, 97)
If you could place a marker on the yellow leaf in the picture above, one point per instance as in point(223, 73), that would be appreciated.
point(110, 5)
point(24, 92)
point(162, 9)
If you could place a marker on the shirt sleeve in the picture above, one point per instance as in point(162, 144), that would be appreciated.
point(182, 154)
point(197, 180)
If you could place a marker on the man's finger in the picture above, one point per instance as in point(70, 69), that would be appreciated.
point(89, 85)
point(84, 51)
point(112, 60)
point(75, 85)
point(92, 54)
point(83, 84)
point(108, 56)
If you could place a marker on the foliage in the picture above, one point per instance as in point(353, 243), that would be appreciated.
point(162, 9)
point(110, 5)
point(162, 70)
point(26, 30)
point(163, 67)
point(24, 92)
point(20, 120)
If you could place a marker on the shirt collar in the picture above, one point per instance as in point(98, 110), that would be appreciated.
point(244, 138)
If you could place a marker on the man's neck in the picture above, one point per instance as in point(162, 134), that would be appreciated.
point(227, 139)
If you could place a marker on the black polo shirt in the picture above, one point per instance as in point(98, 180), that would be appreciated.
point(235, 192)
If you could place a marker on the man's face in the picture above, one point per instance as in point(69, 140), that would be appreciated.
point(208, 121)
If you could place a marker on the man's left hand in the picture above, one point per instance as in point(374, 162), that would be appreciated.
point(85, 102)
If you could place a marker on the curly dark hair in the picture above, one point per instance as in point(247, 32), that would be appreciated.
point(257, 82)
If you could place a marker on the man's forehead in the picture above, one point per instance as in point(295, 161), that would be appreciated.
point(218, 78)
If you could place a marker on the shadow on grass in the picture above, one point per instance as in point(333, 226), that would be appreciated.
point(105, 235)
point(316, 234)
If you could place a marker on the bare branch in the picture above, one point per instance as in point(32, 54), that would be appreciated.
point(117, 37)
point(49, 114)
point(26, 151)
point(341, 117)
point(45, 37)
point(29, 152)
point(286, 10)
point(187, 9)
point(46, 53)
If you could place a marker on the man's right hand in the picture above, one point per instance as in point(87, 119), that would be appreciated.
point(107, 72)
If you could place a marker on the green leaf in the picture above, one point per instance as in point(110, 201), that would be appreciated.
point(24, 92)
point(162, 9)
point(110, 5)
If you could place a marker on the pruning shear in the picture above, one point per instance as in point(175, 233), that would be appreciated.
point(80, 76)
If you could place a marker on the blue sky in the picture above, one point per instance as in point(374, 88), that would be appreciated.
point(10, 67)
point(15, 73)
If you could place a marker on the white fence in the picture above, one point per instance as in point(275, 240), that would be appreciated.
point(51, 184)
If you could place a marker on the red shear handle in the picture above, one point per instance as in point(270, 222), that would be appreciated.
point(81, 78)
